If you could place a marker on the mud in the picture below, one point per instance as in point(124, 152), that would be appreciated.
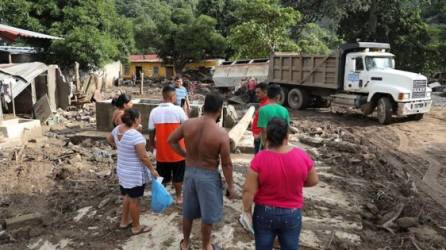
point(367, 171)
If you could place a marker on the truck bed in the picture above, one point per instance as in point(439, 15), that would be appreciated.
point(304, 70)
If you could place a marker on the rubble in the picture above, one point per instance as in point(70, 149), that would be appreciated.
point(70, 180)
point(23, 220)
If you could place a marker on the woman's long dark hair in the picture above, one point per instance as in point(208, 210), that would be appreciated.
point(276, 132)
point(130, 116)
point(121, 100)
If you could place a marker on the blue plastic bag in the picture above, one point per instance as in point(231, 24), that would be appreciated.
point(161, 199)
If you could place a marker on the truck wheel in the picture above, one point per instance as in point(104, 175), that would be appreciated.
point(297, 98)
point(384, 110)
point(416, 117)
point(283, 96)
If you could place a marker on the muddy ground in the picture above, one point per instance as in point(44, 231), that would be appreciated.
point(382, 187)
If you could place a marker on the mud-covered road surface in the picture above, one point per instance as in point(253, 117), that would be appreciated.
point(382, 187)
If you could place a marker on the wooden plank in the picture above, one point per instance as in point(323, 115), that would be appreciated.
point(236, 133)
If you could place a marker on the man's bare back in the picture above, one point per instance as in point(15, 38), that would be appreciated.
point(205, 143)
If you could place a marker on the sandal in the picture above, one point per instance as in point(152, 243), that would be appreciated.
point(125, 226)
point(216, 247)
point(188, 247)
point(144, 229)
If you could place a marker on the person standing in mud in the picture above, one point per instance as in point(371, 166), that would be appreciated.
point(122, 103)
point(206, 145)
point(163, 120)
point(132, 163)
point(275, 181)
point(182, 95)
point(272, 110)
point(261, 91)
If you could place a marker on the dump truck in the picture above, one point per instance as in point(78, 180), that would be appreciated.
point(230, 74)
point(361, 75)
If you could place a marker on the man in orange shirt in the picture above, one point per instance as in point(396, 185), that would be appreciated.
point(261, 90)
point(163, 120)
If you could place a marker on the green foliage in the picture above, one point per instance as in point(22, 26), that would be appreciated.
point(94, 33)
point(185, 37)
point(396, 22)
point(262, 28)
point(17, 13)
point(316, 40)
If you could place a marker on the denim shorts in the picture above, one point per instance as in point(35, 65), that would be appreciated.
point(270, 222)
point(202, 195)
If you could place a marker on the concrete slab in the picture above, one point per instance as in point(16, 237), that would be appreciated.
point(18, 128)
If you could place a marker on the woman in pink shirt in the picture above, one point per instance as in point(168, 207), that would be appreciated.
point(274, 183)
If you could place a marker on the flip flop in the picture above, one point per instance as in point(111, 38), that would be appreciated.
point(188, 247)
point(144, 229)
point(125, 226)
point(216, 247)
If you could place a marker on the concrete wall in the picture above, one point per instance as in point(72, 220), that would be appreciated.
point(148, 68)
point(104, 112)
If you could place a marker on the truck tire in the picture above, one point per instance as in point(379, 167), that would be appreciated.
point(384, 110)
point(297, 98)
point(283, 96)
point(416, 117)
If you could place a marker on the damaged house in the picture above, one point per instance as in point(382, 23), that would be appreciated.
point(27, 87)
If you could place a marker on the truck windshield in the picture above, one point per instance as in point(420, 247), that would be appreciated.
point(379, 62)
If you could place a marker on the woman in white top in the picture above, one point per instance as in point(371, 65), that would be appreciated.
point(132, 163)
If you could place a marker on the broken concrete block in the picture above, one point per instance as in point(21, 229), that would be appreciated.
point(426, 233)
point(230, 116)
point(23, 220)
point(343, 146)
point(406, 222)
point(104, 202)
point(81, 213)
point(4, 236)
point(312, 141)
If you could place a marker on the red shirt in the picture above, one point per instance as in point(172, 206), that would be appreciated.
point(256, 130)
point(281, 177)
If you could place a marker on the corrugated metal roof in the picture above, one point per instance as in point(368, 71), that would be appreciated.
point(20, 50)
point(11, 33)
point(24, 73)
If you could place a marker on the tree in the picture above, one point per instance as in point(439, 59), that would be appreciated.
point(316, 40)
point(220, 10)
point(145, 16)
point(185, 37)
point(263, 27)
point(392, 21)
point(94, 33)
point(325, 12)
point(16, 13)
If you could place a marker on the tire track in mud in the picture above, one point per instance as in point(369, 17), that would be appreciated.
point(430, 178)
point(423, 168)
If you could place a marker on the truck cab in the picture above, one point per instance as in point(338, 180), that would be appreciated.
point(372, 73)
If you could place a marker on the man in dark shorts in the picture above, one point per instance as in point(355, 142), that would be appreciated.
point(163, 120)
point(206, 144)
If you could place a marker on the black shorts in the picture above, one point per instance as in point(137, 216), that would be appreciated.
point(134, 192)
point(171, 171)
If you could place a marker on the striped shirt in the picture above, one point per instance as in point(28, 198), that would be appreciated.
point(181, 93)
point(131, 170)
point(164, 119)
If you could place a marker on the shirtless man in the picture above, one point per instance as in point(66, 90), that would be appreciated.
point(206, 144)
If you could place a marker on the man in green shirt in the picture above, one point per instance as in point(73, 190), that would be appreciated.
point(271, 110)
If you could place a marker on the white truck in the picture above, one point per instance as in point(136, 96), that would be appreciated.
point(360, 75)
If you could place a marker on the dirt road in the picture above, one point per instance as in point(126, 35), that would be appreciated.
point(418, 147)
point(382, 187)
